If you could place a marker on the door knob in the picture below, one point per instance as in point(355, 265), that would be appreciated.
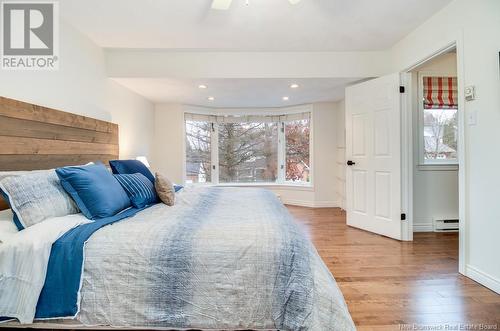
point(350, 163)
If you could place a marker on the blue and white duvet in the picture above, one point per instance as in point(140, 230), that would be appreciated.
point(221, 258)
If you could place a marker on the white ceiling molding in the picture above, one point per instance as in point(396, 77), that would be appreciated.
point(126, 63)
point(215, 111)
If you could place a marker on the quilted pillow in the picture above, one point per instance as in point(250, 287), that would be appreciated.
point(94, 189)
point(124, 167)
point(36, 196)
point(5, 174)
point(140, 190)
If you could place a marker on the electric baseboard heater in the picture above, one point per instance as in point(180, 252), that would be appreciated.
point(445, 225)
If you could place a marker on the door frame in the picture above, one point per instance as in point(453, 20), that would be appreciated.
point(407, 145)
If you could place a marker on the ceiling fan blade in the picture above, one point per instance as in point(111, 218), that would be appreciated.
point(294, 2)
point(221, 4)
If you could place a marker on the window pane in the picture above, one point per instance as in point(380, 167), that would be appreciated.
point(248, 152)
point(297, 151)
point(198, 155)
point(440, 134)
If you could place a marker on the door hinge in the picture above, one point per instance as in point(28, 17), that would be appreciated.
point(401, 89)
point(403, 217)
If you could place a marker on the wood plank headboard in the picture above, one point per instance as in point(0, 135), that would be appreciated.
point(33, 137)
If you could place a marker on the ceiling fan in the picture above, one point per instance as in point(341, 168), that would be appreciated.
point(225, 4)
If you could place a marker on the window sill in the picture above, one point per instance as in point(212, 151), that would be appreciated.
point(437, 167)
point(296, 187)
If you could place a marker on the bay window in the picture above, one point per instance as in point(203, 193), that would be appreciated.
point(248, 149)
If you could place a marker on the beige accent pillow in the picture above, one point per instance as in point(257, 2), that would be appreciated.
point(165, 189)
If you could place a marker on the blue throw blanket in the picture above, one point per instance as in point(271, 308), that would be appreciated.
point(59, 297)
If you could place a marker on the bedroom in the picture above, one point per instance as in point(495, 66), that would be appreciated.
point(132, 78)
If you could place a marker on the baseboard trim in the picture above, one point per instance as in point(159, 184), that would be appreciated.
point(326, 204)
point(423, 227)
point(311, 204)
point(483, 278)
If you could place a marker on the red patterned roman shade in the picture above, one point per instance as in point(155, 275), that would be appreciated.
point(440, 92)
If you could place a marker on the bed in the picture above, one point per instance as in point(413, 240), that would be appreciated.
point(220, 258)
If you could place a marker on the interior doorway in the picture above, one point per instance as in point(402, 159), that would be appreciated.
point(434, 99)
point(428, 129)
point(433, 126)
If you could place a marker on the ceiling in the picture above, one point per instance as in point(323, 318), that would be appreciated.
point(239, 93)
point(263, 25)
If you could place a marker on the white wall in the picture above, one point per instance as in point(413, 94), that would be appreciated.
point(168, 150)
point(325, 118)
point(340, 154)
point(168, 153)
point(81, 86)
point(435, 192)
point(476, 26)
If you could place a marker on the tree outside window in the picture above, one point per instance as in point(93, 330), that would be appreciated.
point(297, 151)
point(198, 152)
point(440, 134)
point(248, 151)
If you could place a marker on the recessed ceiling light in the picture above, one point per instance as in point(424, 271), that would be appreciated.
point(286, 98)
point(202, 86)
point(211, 98)
point(294, 85)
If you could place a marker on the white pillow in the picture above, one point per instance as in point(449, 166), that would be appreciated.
point(7, 226)
point(37, 196)
point(5, 174)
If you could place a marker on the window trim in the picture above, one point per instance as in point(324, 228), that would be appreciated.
point(280, 180)
point(424, 164)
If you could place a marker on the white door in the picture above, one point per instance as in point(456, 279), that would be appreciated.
point(373, 150)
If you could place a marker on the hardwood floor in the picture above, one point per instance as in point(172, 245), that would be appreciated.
point(392, 285)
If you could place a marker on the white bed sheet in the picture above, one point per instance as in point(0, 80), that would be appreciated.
point(7, 226)
point(24, 260)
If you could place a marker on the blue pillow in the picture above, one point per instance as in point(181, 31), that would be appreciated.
point(140, 190)
point(177, 188)
point(124, 167)
point(94, 189)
